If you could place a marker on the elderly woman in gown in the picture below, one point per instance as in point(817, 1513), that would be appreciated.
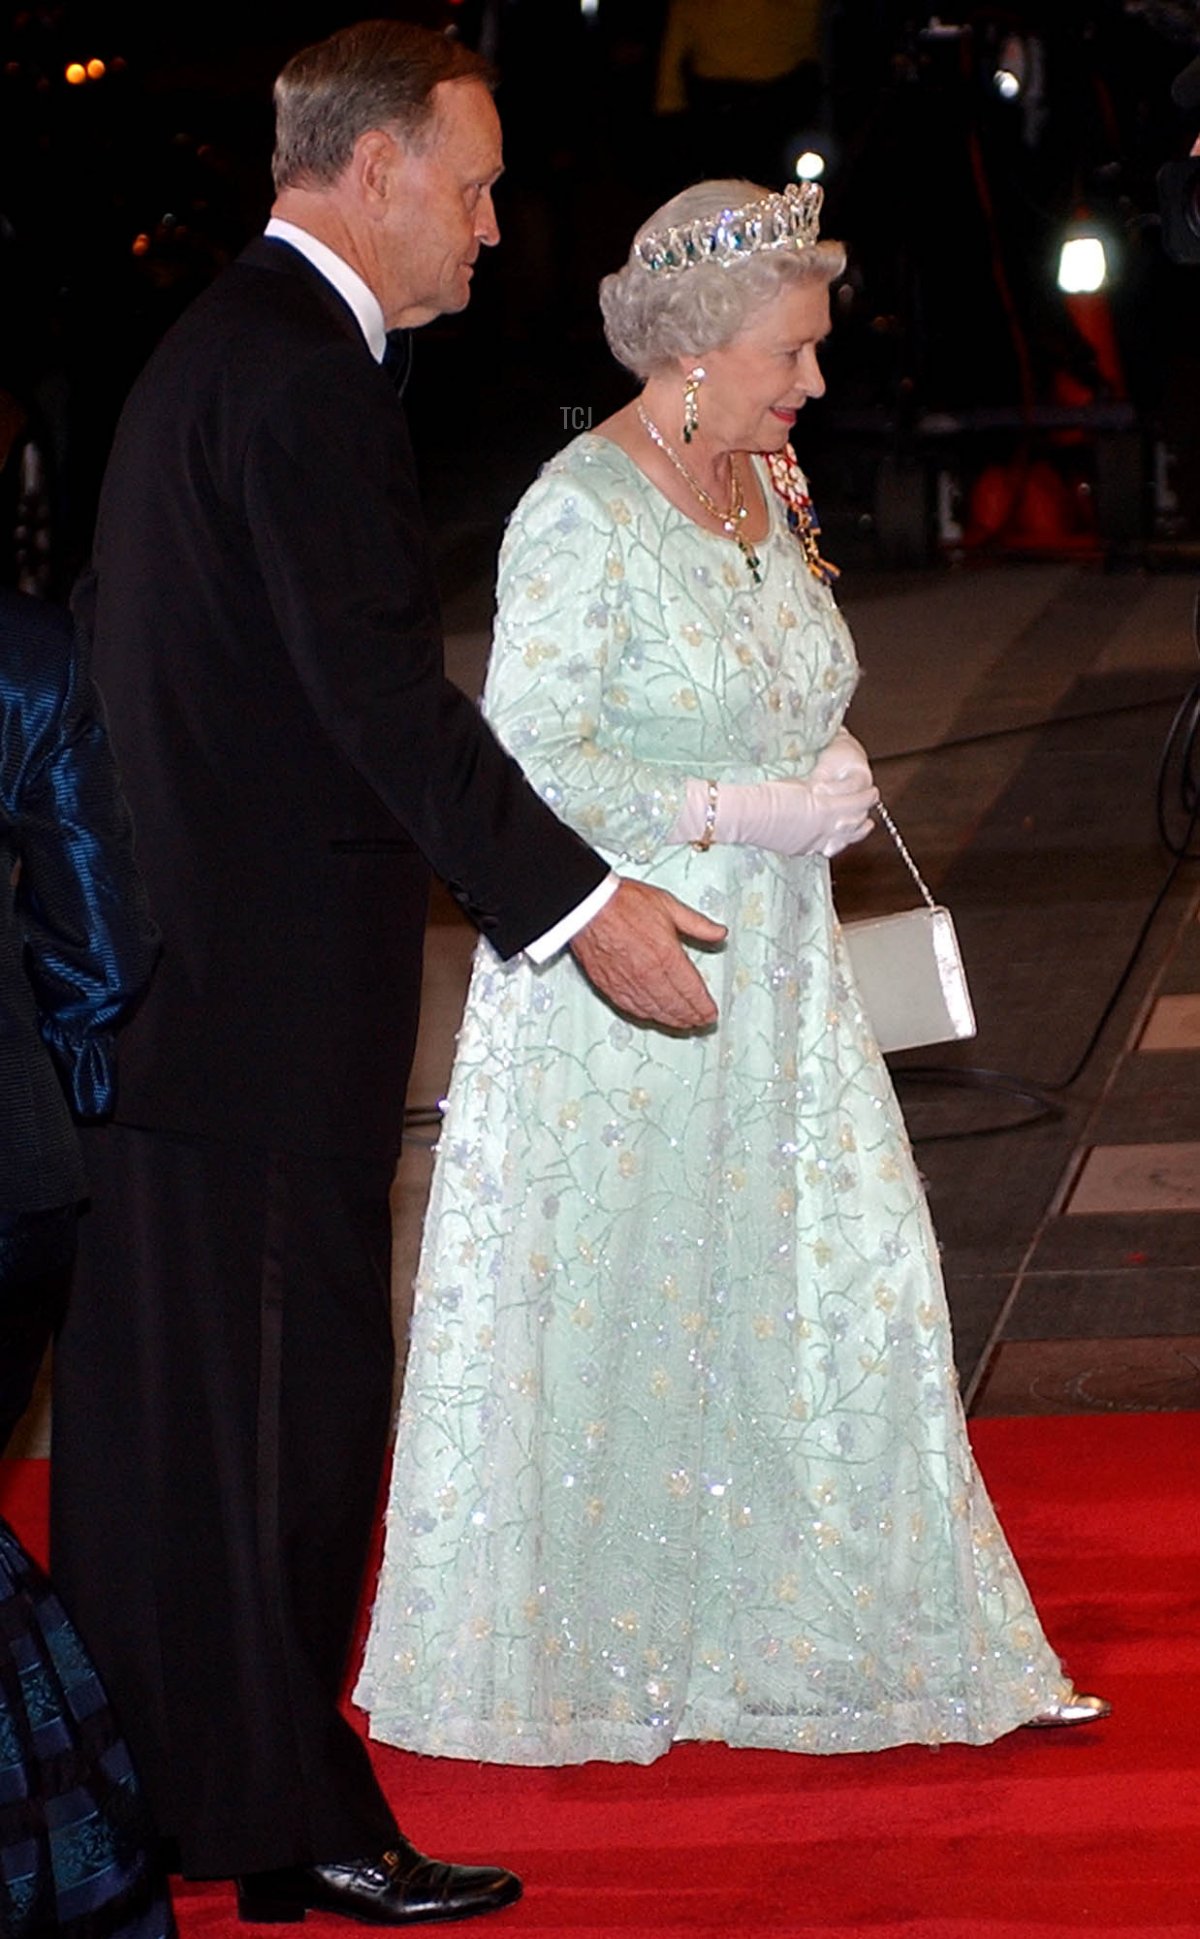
point(681, 1453)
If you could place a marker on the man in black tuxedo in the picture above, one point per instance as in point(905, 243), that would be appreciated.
point(266, 629)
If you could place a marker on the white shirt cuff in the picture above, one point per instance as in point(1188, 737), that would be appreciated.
point(544, 947)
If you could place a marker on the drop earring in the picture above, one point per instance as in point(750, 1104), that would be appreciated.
point(691, 416)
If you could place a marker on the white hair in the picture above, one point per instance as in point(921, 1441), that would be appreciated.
point(654, 316)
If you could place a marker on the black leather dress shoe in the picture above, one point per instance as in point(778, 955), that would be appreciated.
point(401, 1888)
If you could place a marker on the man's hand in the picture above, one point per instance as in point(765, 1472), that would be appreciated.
point(632, 953)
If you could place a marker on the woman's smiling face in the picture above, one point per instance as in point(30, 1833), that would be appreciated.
point(757, 383)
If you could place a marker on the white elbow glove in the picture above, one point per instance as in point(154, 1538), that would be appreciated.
point(820, 815)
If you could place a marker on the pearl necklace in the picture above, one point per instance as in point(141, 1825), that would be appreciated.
point(730, 520)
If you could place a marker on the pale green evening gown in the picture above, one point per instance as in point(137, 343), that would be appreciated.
point(681, 1453)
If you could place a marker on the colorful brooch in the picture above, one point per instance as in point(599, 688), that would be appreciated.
point(788, 480)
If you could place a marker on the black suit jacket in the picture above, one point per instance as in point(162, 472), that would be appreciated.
point(267, 635)
point(76, 940)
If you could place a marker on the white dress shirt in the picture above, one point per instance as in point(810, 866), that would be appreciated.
point(364, 304)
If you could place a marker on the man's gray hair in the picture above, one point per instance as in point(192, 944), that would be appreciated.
point(378, 74)
point(652, 317)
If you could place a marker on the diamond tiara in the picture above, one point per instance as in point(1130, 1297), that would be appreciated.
point(785, 220)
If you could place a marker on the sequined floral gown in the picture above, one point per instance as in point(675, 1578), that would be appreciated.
point(681, 1453)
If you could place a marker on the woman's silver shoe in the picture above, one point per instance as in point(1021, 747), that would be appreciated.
point(1074, 1708)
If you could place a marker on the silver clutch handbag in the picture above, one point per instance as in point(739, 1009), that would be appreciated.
point(909, 969)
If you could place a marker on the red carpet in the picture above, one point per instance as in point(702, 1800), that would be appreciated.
point(1093, 1831)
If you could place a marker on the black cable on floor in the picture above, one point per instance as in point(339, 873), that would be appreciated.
point(986, 734)
point(1182, 745)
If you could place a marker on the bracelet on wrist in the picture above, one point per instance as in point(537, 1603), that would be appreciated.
point(705, 839)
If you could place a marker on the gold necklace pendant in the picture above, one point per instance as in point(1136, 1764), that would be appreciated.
point(751, 557)
point(730, 520)
point(744, 546)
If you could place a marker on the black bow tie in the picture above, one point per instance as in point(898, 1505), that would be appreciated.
point(397, 358)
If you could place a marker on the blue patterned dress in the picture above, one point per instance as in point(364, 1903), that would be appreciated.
point(76, 1846)
point(681, 1453)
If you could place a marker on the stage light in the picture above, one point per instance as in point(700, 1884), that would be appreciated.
point(76, 73)
point(812, 154)
point(96, 70)
point(1082, 265)
point(1012, 68)
point(589, 7)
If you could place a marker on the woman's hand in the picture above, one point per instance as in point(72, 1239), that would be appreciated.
point(843, 758)
point(820, 815)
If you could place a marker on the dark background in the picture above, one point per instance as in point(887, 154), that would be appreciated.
point(972, 411)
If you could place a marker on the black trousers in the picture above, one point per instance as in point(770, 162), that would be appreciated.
point(222, 1401)
point(36, 1250)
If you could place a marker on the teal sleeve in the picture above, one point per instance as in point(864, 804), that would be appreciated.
point(576, 609)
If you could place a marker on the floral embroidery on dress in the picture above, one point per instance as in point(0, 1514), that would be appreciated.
point(684, 1455)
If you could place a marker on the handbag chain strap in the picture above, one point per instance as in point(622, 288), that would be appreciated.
point(905, 857)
